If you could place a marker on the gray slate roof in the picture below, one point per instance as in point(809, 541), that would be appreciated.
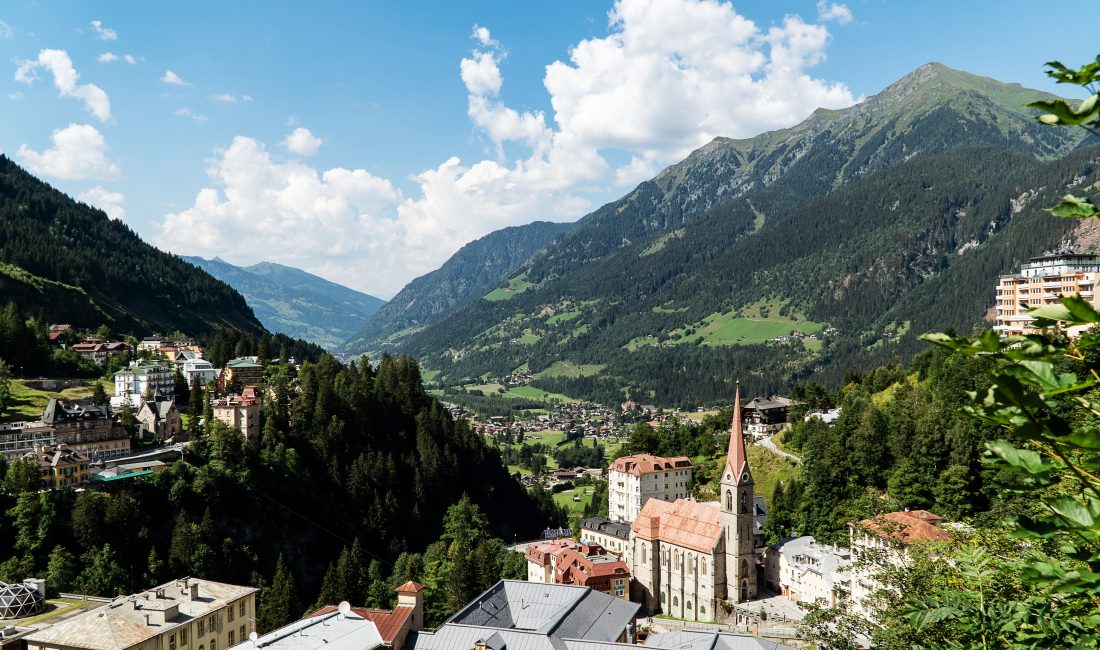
point(607, 527)
point(689, 640)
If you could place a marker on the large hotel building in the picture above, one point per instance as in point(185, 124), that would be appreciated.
point(1041, 281)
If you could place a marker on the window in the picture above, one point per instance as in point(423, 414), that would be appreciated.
point(662, 600)
point(675, 601)
point(202, 628)
point(241, 608)
point(171, 642)
point(689, 605)
point(212, 621)
point(729, 501)
point(242, 634)
point(229, 614)
point(213, 644)
point(702, 610)
point(183, 636)
point(232, 638)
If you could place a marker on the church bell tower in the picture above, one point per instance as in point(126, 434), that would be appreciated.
point(737, 513)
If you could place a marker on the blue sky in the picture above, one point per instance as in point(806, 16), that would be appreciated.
point(366, 142)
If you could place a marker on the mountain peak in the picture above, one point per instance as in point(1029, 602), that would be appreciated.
point(937, 82)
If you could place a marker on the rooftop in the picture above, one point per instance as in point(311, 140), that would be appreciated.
point(684, 523)
point(907, 526)
point(607, 527)
point(327, 628)
point(639, 464)
point(688, 640)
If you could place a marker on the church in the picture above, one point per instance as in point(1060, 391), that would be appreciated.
point(690, 559)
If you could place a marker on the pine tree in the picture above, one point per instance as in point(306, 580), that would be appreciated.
point(279, 605)
point(99, 394)
point(61, 569)
point(154, 568)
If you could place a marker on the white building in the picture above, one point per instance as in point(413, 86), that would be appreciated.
point(18, 438)
point(134, 380)
point(633, 480)
point(882, 542)
point(805, 571)
point(199, 368)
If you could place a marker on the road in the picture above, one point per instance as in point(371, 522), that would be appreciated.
point(767, 443)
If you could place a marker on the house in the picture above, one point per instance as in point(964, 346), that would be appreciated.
point(689, 558)
point(1042, 281)
point(804, 570)
point(18, 438)
point(59, 466)
point(243, 371)
point(611, 535)
point(198, 369)
point(151, 343)
point(240, 412)
point(326, 629)
point(541, 558)
point(159, 419)
point(633, 480)
point(590, 566)
point(393, 625)
point(93, 351)
point(187, 614)
point(765, 416)
point(885, 540)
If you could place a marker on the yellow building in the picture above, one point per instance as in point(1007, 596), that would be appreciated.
point(188, 614)
point(59, 466)
point(243, 370)
point(1041, 282)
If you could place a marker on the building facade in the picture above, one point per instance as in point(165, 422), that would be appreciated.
point(90, 430)
point(141, 375)
point(244, 371)
point(18, 438)
point(765, 416)
point(160, 419)
point(634, 480)
point(60, 467)
point(188, 614)
point(1041, 281)
point(611, 535)
point(240, 412)
point(199, 370)
point(805, 571)
point(690, 560)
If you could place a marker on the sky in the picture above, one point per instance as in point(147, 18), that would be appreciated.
point(367, 142)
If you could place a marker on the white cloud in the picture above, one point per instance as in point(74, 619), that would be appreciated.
point(65, 78)
point(131, 59)
point(838, 12)
point(107, 57)
point(79, 153)
point(173, 79)
point(187, 112)
point(103, 33)
point(668, 77)
point(302, 142)
point(5, 30)
point(109, 202)
point(16, 96)
point(227, 98)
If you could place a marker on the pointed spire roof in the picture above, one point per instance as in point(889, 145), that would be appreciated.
point(737, 460)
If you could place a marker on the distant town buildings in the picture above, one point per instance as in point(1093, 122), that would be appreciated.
point(133, 383)
point(765, 416)
point(159, 419)
point(240, 412)
point(244, 371)
point(611, 535)
point(59, 467)
point(634, 480)
point(88, 429)
point(199, 370)
point(804, 570)
point(1041, 281)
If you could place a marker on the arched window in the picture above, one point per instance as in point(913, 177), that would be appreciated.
point(663, 597)
point(675, 601)
point(704, 563)
point(744, 502)
point(729, 501)
point(744, 568)
point(689, 605)
point(702, 609)
point(643, 555)
point(744, 590)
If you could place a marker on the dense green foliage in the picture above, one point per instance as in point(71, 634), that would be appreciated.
point(347, 453)
point(296, 303)
point(834, 222)
point(468, 275)
point(64, 261)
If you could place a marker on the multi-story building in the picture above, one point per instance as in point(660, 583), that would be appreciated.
point(591, 566)
point(159, 419)
point(188, 614)
point(1041, 281)
point(59, 467)
point(244, 371)
point(804, 570)
point(199, 369)
point(885, 540)
point(611, 535)
point(88, 429)
point(633, 480)
point(136, 379)
point(18, 438)
point(241, 412)
point(765, 416)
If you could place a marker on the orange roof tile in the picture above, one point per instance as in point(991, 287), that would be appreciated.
point(388, 622)
point(639, 464)
point(684, 523)
point(907, 527)
point(737, 460)
point(410, 586)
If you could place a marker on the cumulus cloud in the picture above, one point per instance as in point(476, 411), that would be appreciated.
point(107, 57)
point(302, 142)
point(227, 98)
point(109, 202)
point(16, 96)
point(65, 78)
point(5, 30)
point(838, 12)
point(173, 79)
point(666, 78)
point(79, 153)
point(131, 59)
point(103, 33)
point(188, 113)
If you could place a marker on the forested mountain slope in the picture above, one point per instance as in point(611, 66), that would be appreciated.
point(294, 302)
point(68, 262)
point(853, 231)
point(468, 274)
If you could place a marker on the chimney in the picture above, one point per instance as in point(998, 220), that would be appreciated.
point(194, 591)
point(411, 594)
point(480, 644)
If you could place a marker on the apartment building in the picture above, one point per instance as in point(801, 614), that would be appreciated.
point(633, 480)
point(1041, 281)
point(187, 614)
point(240, 412)
point(59, 467)
point(140, 375)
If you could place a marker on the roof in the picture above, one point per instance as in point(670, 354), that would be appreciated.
point(563, 611)
point(737, 461)
point(684, 523)
point(121, 624)
point(907, 526)
point(607, 527)
point(764, 403)
point(57, 411)
point(242, 363)
point(691, 640)
point(410, 585)
point(806, 555)
point(639, 464)
point(55, 456)
point(329, 630)
point(387, 622)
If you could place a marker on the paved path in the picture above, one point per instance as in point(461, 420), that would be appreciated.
point(767, 443)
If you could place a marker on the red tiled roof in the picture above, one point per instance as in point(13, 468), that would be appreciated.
point(388, 622)
point(907, 527)
point(639, 464)
point(688, 524)
point(410, 586)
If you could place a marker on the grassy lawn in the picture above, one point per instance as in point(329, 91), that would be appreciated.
point(516, 285)
point(530, 392)
point(575, 507)
point(529, 338)
point(698, 417)
point(767, 470)
point(572, 370)
point(28, 403)
point(563, 316)
point(726, 329)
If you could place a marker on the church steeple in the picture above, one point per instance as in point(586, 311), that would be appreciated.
point(737, 462)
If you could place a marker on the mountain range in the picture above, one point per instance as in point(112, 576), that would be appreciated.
point(296, 303)
point(789, 256)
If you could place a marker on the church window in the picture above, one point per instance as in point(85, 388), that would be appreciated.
point(744, 504)
point(744, 568)
point(744, 590)
point(643, 555)
point(729, 500)
point(675, 601)
point(689, 605)
point(704, 571)
point(702, 609)
point(663, 596)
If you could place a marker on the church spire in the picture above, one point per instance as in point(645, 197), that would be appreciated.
point(737, 462)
